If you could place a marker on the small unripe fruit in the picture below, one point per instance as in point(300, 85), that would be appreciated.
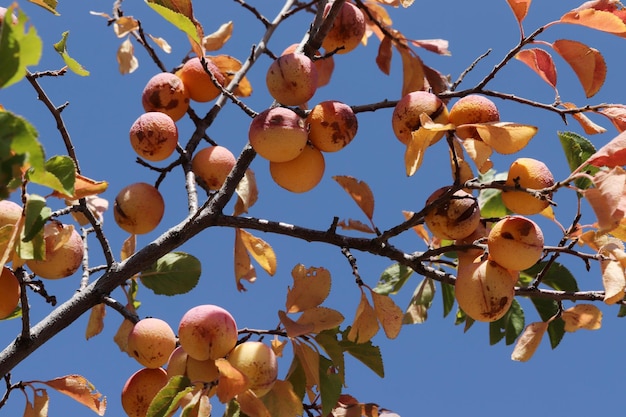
point(212, 165)
point(138, 208)
point(527, 173)
point(347, 30)
point(165, 92)
point(332, 125)
point(140, 389)
point(151, 342)
point(9, 292)
point(197, 82)
point(484, 290)
point(292, 79)
point(456, 218)
point(257, 361)
point(325, 66)
point(472, 109)
point(154, 136)
point(515, 242)
point(10, 214)
point(207, 332)
point(406, 114)
point(64, 252)
point(302, 173)
point(278, 134)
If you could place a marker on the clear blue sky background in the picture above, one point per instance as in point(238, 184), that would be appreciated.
point(431, 369)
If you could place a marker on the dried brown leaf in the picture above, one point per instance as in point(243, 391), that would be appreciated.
point(247, 193)
point(383, 58)
point(124, 25)
point(228, 66)
point(588, 126)
point(582, 316)
point(161, 43)
point(126, 59)
point(412, 71)
point(355, 225)
point(529, 341)
point(613, 280)
point(128, 247)
point(438, 46)
point(121, 336)
point(216, 40)
point(416, 148)
point(95, 324)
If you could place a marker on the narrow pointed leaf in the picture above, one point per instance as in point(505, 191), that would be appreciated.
point(393, 279)
point(360, 193)
point(167, 399)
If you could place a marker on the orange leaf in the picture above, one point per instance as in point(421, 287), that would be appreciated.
point(310, 361)
point(260, 251)
point(310, 288)
point(95, 324)
point(610, 155)
point(388, 313)
point(421, 231)
point(383, 59)
point(121, 336)
point(243, 266)
point(520, 9)
point(613, 280)
point(39, 407)
point(216, 40)
point(480, 153)
point(590, 127)
point(80, 390)
point(228, 66)
point(596, 19)
point(587, 63)
point(505, 137)
point(607, 198)
point(251, 405)
point(582, 316)
point(541, 62)
point(247, 193)
point(293, 328)
point(365, 324)
point(322, 318)
point(282, 401)
point(415, 149)
point(231, 381)
point(84, 187)
point(617, 115)
point(438, 46)
point(529, 341)
point(412, 71)
point(360, 193)
point(355, 225)
point(128, 247)
point(278, 346)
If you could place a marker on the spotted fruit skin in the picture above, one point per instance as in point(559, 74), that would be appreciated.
point(138, 208)
point(140, 389)
point(154, 136)
point(347, 29)
point(527, 173)
point(165, 92)
point(456, 218)
point(332, 125)
point(406, 114)
point(278, 134)
point(207, 332)
point(151, 342)
point(515, 242)
point(258, 362)
point(292, 79)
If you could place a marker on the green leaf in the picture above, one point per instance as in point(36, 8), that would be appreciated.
point(622, 311)
point(447, 293)
point(49, 5)
point(328, 341)
point(366, 353)
point(297, 377)
point(422, 299)
point(556, 331)
point(392, 279)
point(557, 277)
point(59, 174)
point(37, 213)
point(166, 400)
point(174, 273)
point(19, 48)
point(176, 18)
point(577, 150)
point(61, 48)
point(232, 409)
point(547, 309)
point(330, 385)
point(509, 326)
point(489, 199)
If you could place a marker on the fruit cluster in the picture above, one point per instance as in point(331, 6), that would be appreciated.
point(206, 333)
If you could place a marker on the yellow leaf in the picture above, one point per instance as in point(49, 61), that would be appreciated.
point(124, 25)
point(613, 280)
point(260, 251)
point(588, 126)
point(480, 153)
point(49, 5)
point(243, 266)
point(40, 403)
point(365, 324)
point(412, 70)
point(278, 346)
point(84, 187)
point(282, 401)
point(231, 381)
point(505, 137)
point(128, 247)
point(587, 63)
point(310, 288)
point(126, 59)
point(121, 336)
point(251, 405)
point(228, 66)
point(80, 390)
point(388, 313)
point(360, 193)
point(247, 193)
point(529, 341)
point(310, 361)
point(293, 328)
point(582, 316)
point(95, 324)
point(321, 318)
point(216, 40)
point(415, 149)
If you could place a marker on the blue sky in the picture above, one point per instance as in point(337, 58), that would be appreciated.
point(431, 369)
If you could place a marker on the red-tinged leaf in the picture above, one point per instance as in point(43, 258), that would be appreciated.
point(438, 46)
point(582, 316)
point(383, 59)
point(80, 390)
point(587, 63)
point(613, 280)
point(505, 137)
point(610, 155)
point(365, 325)
point(588, 126)
point(232, 381)
point(360, 193)
point(541, 62)
point(260, 250)
point(251, 405)
point(293, 328)
point(244, 270)
point(596, 19)
point(520, 9)
point(310, 288)
point(607, 198)
point(355, 225)
point(388, 313)
point(347, 406)
point(412, 71)
point(95, 324)
point(529, 341)
point(608, 5)
point(616, 113)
